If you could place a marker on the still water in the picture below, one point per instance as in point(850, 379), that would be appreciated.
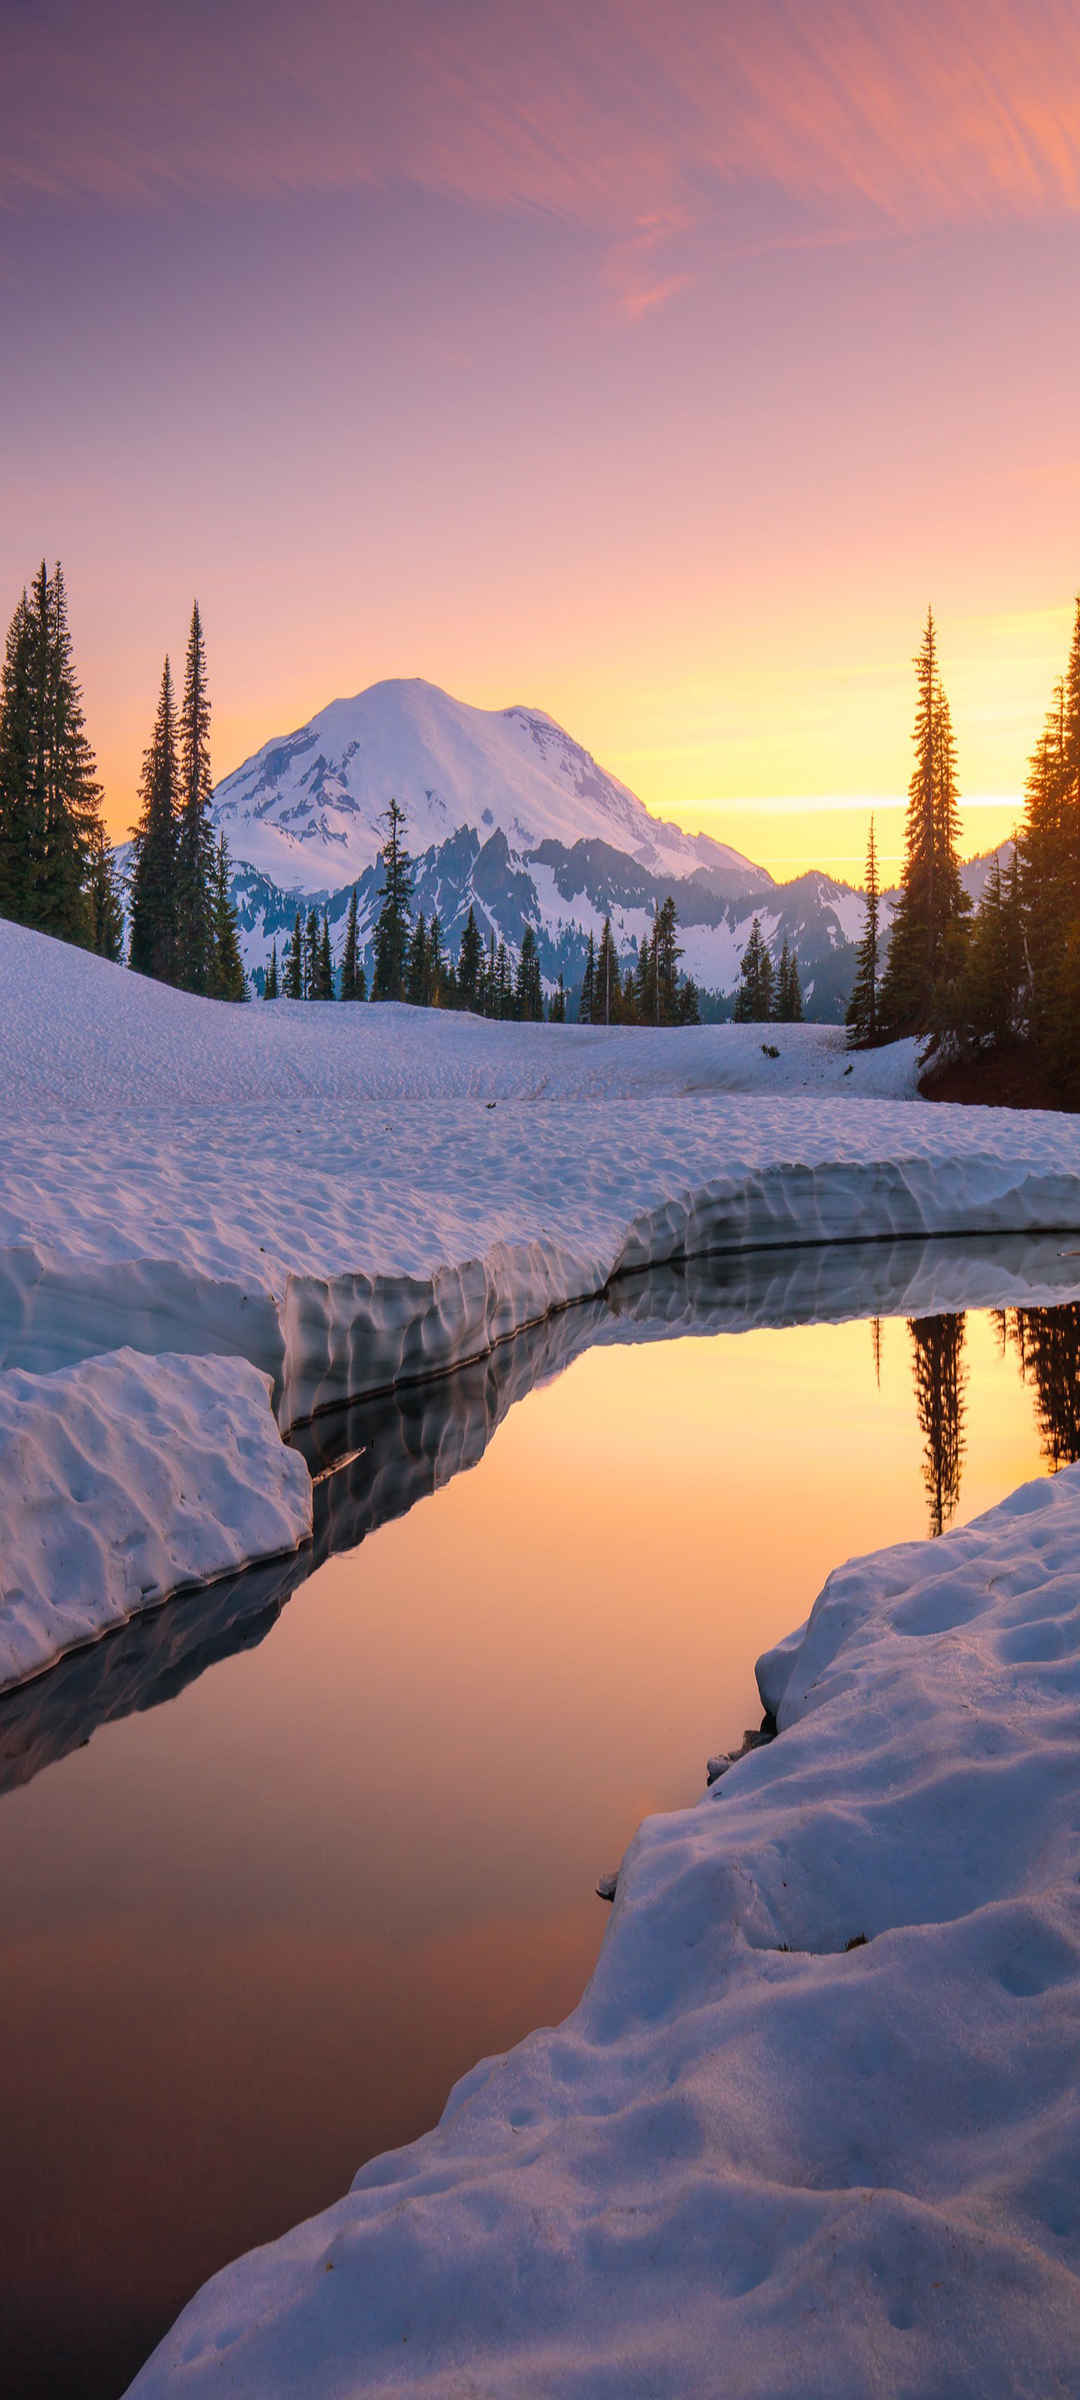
point(274, 1875)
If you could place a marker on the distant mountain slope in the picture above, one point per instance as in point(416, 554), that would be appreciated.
point(305, 809)
point(565, 894)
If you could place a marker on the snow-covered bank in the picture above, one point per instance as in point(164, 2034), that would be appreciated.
point(755, 2158)
point(126, 1478)
point(352, 1196)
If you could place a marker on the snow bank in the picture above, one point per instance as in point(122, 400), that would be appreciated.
point(124, 1479)
point(813, 2126)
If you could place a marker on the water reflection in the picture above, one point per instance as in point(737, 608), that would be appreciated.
point(937, 1348)
point(1047, 1343)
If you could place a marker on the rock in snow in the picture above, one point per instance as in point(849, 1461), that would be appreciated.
point(757, 2158)
point(124, 1479)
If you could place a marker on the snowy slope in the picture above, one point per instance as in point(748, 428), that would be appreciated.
point(126, 1478)
point(353, 1196)
point(813, 2127)
point(305, 809)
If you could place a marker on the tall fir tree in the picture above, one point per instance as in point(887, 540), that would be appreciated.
point(787, 996)
point(608, 981)
point(153, 872)
point(272, 984)
point(294, 963)
point(926, 945)
point(49, 793)
point(311, 955)
point(326, 961)
point(393, 920)
point(436, 964)
point(666, 953)
point(416, 964)
point(557, 1005)
point(195, 860)
point(529, 993)
point(587, 1003)
point(754, 997)
point(470, 964)
point(862, 1011)
point(350, 957)
point(227, 980)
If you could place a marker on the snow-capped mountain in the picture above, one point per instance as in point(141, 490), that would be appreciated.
point(305, 809)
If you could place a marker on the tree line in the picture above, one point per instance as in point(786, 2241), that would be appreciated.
point(57, 869)
point(410, 961)
point(1006, 974)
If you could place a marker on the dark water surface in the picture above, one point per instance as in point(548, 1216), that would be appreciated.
point(318, 1858)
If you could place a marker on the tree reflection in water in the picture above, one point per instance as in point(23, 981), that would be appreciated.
point(1047, 1343)
point(938, 1375)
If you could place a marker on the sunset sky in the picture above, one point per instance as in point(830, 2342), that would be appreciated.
point(655, 367)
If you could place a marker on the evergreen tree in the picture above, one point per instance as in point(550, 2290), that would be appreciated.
point(990, 993)
point(926, 946)
point(1048, 1341)
point(754, 998)
point(1049, 881)
point(227, 980)
point(436, 964)
point(416, 965)
point(607, 991)
point(470, 964)
point(392, 922)
point(294, 962)
point(488, 995)
point(195, 860)
point(271, 987)
point(311, 956)
point(628, 1005)
point(153, 873)
point(529, 991)
point(325, 975)
point(504, 983)
point(666, 954)
point(787, 998)
point(557, 1007)
point(645, 991)
point(105, 931)
point(587, 1003)
point(351, 969)
point(49, 793)
point(689, 1008)
point(862, 1010)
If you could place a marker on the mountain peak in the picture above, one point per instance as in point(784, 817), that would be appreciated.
point(305, 809)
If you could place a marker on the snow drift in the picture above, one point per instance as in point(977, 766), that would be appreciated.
point(813, 2126)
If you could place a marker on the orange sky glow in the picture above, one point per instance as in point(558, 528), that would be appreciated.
point(654, 372)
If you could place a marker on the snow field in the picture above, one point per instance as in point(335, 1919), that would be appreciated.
point(122, 1480)
point(754, 2158)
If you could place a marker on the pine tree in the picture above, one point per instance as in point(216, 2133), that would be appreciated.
point(587, 1003)
point(470, 964)
point(416, 965)
point(488, 995)
point(754, 998)
point(436, 964)
point(325, 975)
point(392, 922)
point(529, 991)
point(105, 913)
point(628, 1005)
point(787, 997)
point(991, 989)
point(666, 954)
point(195, 860)
point(504, 983)
point(926, 945)
point(227, 980)
point(646, 996)
point(294, 962)
point(1049, 882)
point(311, 955)
point(608, 983)
point(689, 1007)
point(351, 970)
point(557, 1006)
point(153, 873)
point(49, 793)
point(862, 1010)
point(271, 986)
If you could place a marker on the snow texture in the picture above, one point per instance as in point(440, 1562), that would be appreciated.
point(813, 2127)
point(353, 1196)
point(122, 1480)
